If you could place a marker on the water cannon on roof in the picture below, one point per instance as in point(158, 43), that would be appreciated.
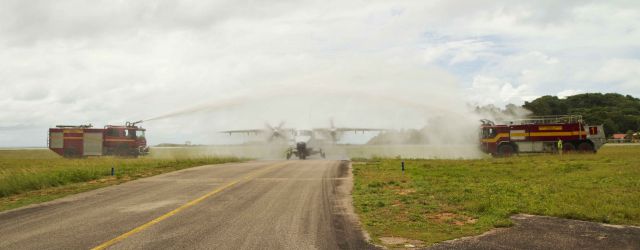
point(487, 122)
point(133, 124)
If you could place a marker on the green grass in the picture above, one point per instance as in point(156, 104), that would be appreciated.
point(437, 200)
point(31, 176)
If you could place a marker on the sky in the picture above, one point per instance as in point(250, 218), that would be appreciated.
point(239, 64)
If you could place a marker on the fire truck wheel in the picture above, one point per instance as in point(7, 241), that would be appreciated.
point(122, 150)
point(506, 150)
point(70, 152)
point(568, 148)
point(585, 147)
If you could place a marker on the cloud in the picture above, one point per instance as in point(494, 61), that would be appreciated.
point(455, 52)
point(111, 61)
point(621, 72)
point(489, 90)
point(569, 92)
point(549, 46)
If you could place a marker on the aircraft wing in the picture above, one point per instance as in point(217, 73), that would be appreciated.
point(359, 129)
point(339, 129)
point(281, 132)
point(245, 131)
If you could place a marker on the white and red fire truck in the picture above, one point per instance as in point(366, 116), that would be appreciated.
point(84, 140)
point(541, 134)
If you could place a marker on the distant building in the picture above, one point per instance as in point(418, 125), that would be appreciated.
point(619, 138)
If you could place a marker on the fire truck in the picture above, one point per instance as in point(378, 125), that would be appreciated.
point(541, 134)
point(85, 140)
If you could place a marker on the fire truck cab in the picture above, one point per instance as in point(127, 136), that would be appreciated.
point(84, 140)
point(540, 135)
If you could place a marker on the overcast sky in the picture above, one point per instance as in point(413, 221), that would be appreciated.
point(364, 63)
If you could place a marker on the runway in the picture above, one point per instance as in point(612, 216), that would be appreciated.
point(253, 205)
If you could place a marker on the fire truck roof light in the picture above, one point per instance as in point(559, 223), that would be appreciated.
point(74, 126)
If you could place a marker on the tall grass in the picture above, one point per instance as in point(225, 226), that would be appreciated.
point(27, 170)
point(436, 200)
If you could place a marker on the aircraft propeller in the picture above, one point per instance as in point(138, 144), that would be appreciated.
point(276, 132)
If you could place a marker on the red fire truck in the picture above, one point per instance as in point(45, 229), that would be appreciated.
point(84, 140)
point(541, 134)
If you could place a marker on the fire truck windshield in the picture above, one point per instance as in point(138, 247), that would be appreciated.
point(488, 133)
point(132, 133)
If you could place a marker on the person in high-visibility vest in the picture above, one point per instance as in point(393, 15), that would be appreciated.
point(559, 146)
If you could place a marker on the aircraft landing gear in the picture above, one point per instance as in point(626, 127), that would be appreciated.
point(289, 153)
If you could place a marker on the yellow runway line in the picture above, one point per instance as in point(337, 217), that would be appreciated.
point(183, 207)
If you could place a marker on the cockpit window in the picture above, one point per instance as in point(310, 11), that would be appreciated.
point(304, 133)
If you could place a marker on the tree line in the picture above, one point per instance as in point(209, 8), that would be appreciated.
point(618, 113)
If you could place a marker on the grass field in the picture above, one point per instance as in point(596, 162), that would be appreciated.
point(37, 175)
point(437, 200)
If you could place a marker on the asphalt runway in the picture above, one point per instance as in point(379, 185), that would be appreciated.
point(253, 205)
